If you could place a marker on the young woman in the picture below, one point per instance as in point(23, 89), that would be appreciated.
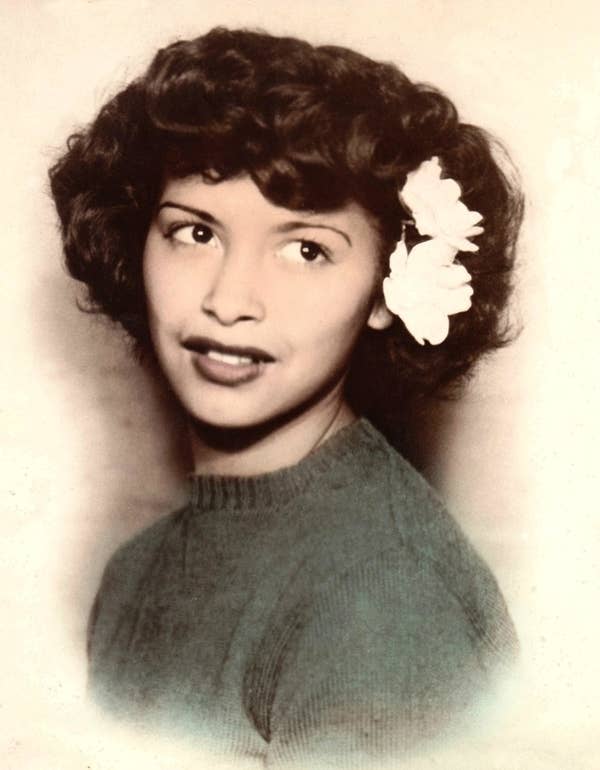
point(304, 240)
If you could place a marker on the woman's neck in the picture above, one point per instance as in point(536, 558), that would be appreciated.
point(262, 449)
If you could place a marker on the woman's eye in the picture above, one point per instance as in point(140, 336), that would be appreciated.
point(303, 251)
point(193, 234)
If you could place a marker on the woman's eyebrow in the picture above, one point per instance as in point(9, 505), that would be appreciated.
point(288, 226)
point(204, 215)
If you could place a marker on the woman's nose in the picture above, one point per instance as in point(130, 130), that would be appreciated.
point(233, 294)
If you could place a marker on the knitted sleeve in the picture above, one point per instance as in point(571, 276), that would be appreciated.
point(383, 659)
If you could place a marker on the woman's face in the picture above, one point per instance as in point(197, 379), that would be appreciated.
point(254, 309)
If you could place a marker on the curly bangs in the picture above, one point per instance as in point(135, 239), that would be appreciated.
point(315, 128)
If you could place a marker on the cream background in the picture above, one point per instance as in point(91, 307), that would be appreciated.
point(89, 455)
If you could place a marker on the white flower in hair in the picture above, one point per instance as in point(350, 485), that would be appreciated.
point(436, 206)
point(425, 285)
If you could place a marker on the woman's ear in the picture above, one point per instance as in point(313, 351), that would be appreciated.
point(380, 317)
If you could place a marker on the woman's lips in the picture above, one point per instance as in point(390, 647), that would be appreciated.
point(225, 364)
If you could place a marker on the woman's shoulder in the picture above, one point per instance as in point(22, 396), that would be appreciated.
point(408, 486)
point(418, 513)
point(403, 594)
point(387, 644)
point(428, 542)
point(125, 571)
point(131, 558)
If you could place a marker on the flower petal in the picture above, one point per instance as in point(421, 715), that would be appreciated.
point(426, 323)
point(455, 300)
point(395, 295)
point(436, 206)
point(452, 276)
point(398, 258)
point(431, 253)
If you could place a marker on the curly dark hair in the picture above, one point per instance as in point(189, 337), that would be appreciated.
point(315, 128)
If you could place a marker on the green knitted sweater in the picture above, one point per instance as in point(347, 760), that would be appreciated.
point(331, 611)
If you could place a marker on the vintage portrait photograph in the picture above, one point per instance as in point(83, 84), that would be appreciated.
point(300, 385)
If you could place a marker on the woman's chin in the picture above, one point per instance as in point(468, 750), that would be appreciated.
point(211, 420)
point(248, 425)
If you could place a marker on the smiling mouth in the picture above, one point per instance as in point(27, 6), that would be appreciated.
point(226, 364)
point(229, 358)
point(233, 355)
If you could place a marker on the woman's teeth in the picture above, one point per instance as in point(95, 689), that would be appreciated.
point(230, 359)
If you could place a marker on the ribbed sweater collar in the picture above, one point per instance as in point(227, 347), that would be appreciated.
point(336, 460)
